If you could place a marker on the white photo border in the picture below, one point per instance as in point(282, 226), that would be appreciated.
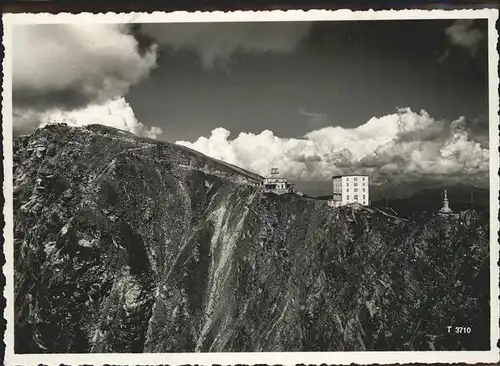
point(284, 358)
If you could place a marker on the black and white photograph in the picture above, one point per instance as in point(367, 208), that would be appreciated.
point(231, 185)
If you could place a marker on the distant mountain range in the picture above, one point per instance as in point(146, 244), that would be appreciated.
point(461, 197)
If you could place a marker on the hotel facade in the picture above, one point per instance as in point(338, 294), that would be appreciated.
point(349, 189)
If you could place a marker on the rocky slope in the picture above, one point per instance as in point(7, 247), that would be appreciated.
point(126, 244)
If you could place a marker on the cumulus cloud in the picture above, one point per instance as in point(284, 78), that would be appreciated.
point(61, 69)
point(73, 65)
point(114, 113)
point(215, 43)
point(405, 146)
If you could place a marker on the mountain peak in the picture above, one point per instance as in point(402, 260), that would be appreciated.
point(107, 143)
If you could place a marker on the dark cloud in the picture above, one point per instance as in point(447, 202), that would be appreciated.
point(307, 159)
point(67, 66)
point(377, 160)
point(72, 97)
point(432, 132)
point(478, 129)
point(215, 43)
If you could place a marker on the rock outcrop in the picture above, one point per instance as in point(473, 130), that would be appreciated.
point(127, 244)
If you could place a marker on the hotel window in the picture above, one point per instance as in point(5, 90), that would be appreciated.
point(364, 190)
point(355, 184)
point(347, 190)
point(347, 197)
point(355, 196)
point(355, 189)
point(364, 197)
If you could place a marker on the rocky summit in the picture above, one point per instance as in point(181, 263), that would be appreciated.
point(128, 244)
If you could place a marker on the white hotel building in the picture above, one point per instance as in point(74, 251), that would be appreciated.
point(349, 189)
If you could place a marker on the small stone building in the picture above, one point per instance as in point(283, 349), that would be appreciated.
point(276, 184)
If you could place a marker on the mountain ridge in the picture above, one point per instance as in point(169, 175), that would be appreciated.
point(121, 246)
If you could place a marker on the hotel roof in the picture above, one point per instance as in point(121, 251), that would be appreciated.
point(350, 175)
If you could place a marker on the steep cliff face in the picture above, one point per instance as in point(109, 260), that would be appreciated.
point(125, 244)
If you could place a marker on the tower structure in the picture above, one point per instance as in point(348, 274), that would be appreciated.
point(446, 204)
point(446, 211)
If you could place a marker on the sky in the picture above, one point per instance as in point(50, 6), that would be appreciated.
point(403, 101)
